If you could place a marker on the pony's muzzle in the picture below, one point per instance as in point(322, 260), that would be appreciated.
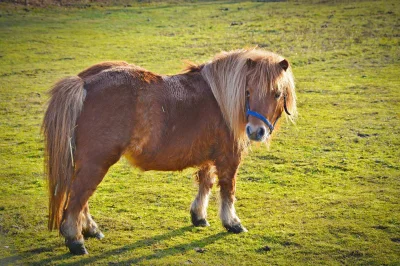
point(256, 133)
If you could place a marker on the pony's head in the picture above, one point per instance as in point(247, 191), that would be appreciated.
point(253, 88)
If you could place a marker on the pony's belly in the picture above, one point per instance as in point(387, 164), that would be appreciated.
point(165, 161)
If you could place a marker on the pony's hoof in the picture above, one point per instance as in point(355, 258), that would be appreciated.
point(236, 228)
point(76, 247)
point(200, 222)
point(99, 235)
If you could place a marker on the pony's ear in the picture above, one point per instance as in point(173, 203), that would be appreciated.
point(250, 63)
point(284, 64)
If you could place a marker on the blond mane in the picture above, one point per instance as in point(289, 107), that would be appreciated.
point(229, 73)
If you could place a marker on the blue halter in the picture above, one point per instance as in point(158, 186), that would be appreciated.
point(260, 116)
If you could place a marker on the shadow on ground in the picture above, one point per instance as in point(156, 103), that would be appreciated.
point(170, 251)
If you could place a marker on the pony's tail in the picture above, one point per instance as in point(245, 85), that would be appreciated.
point(65, 105)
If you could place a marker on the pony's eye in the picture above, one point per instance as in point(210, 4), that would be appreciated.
point(278, 94)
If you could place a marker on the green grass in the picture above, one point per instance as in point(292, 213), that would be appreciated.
point(325, 193)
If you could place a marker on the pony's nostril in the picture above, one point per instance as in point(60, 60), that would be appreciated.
point(261, 132)
point(248, 130)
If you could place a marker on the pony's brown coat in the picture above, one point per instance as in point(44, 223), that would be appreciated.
point(158, 122)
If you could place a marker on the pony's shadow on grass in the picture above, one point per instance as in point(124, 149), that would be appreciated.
point(181, 248)
point(12, 260)
point(178, 249)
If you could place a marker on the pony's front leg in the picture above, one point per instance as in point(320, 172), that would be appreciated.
point(198, 209)
point(227, 183)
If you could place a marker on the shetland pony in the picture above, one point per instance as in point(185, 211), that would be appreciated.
point(201, 118)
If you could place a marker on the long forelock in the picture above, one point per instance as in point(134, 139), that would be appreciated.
point(266, 74)
point(269, 76)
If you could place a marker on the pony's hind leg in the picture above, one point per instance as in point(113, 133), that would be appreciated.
point(198, 209)
point(87, 178)
point(227, 183)
point(89, 226)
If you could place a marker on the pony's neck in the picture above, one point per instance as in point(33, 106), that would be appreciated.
point(188, 85)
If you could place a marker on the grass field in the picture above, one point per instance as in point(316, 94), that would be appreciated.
point(327, 190)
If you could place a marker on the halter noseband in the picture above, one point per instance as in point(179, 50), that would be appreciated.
point(260, 116)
